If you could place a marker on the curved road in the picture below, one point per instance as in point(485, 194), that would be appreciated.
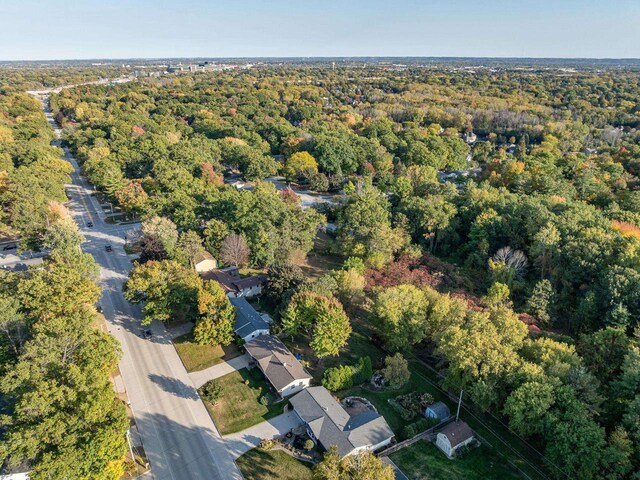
point(179, 437)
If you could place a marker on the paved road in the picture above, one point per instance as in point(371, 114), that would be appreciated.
point(179, 437)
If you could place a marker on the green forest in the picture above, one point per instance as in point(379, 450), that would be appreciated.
point(486, 220)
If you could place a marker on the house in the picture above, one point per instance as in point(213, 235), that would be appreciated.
point(328, 424)
point(233, 284)
point(249, 323)
point(454, 436)
point(204, 262)
point(278, 365)
point(470, 137)
point(438, 411)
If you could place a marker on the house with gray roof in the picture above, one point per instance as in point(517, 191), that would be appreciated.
point(329, 424)
point(277, 363)
point(249, 324)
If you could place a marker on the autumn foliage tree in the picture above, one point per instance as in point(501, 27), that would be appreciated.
point(322, 318)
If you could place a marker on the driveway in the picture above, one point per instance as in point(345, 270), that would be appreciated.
point(242, 442)
point(219, 370)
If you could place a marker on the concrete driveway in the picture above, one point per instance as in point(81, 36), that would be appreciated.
point(242, 442)
point(219, 370)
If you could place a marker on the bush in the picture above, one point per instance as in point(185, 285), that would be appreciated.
point(264, 400)
point(308, 444)
point(211, 392)
point(345, 376)
point(338, 378)
point(268, 444)
point(363, 371)
point(415, 428)
point(411, 405)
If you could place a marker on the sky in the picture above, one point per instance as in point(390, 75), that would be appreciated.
point(93, 29)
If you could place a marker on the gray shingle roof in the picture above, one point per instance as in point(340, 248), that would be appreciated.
point(247, 319)
point(332, 425)
point(276, 361)
point(440, 409)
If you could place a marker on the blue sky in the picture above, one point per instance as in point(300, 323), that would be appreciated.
point(66, 29)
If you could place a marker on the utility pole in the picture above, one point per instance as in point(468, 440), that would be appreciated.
point(459, 404)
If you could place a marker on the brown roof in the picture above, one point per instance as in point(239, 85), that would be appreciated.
point(203, 255)
point(457, 432)
point(276, 361)
point(232, 282)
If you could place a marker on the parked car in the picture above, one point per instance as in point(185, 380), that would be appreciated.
point(147, 334)
point(89, 224)
point(108, 248)
point(9, 247)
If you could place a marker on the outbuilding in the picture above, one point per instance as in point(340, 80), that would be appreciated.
point(454, 436)
point(438, 411)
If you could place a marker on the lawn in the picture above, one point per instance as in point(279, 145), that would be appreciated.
point(239, 406)
point(197, 357)
point(423, 461)
point(259, 464)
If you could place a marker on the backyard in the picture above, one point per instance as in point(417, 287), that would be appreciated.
point(259, 464)
point(423, 461)
point(197, 357)
point(239, 405)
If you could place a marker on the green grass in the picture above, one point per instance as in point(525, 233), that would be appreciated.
point(197, 357)
point(423, 461)
point(259, 464)
point(239, 406)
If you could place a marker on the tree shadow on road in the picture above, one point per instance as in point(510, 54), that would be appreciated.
point(174, 386)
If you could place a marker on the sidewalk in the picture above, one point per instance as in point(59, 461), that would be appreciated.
point(219, 370)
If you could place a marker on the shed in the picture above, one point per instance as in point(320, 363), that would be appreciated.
point(438, 410)
point(204, 262)
point(453, 437)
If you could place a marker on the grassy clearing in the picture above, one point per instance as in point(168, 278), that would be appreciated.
point(239, 406)
point(423, 461)
point(259, 464)
point(197, 357)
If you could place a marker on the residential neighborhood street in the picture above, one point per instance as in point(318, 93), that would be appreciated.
point(179, 437)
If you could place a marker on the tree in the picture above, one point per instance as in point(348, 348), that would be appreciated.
point(234, 250)
point(359, 466)
point(132, 197)
point(189, 248)
point(215, 324)
point(402, 312)
point(396, 370)
point(320, 317)
point(167, 289)
point(338, 378)
point(214, 234)
point(528, 405)
point(282, 277)
point(540, 303)
point(162, 231)
point(300, 165)
point(497, 294)
point(211, 392)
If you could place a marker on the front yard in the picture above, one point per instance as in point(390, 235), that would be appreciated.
point(259, 464)
point(423, 461)
point(196, 357)
point(239, 406)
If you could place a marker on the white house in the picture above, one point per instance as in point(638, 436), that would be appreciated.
point(454, 436)
point(249, 323)
point(204, 262)
point(279, 366)
point(328, 424)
